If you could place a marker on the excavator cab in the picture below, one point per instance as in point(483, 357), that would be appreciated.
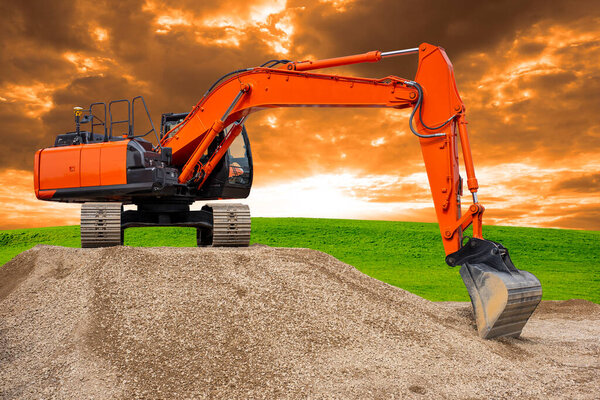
point(169, 121)
point(232, 177)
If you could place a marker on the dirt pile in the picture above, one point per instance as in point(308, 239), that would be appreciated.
point(260, 322)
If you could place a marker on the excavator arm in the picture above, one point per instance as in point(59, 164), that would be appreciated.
point(503, 297)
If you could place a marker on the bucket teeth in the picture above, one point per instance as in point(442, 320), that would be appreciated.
point(502, 296)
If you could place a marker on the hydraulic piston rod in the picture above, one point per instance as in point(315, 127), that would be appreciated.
point(404, 52)
point(371, 56)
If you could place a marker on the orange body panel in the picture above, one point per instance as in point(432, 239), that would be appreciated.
point(36, 173)
point(90, 165)
point(113, 163)
point(80, 165)
point(59, 167)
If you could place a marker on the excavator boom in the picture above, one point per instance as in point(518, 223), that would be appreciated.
point(255, 89)
point(503, 297)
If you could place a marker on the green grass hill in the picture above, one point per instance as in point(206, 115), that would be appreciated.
point(404, 254)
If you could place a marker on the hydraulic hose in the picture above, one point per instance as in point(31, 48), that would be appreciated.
point(223, 77)
point(419, 107)
point(272, 63)
point(268, 64)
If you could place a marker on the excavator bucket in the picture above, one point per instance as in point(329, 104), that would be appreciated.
point(502, 296)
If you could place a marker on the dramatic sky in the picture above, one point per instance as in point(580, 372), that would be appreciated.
point(528, 72)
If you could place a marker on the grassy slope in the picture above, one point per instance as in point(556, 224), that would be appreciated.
point(404, 254)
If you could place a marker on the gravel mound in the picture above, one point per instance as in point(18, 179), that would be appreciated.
point(575, 309)
point(260, 322)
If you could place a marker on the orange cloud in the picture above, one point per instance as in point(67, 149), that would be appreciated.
point(21, 209)
point(529, 80)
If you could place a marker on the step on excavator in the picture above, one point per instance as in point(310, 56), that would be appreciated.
point(204, 155)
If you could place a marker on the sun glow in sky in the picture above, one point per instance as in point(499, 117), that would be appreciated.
point(531, 84)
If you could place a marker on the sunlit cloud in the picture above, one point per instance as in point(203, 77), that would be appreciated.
point(100, 34)
point(276, 27)
point(338, 5)
point(21, 209)
point(508, 67)
point(35, 99)
point(262, 10)
point(333, 196)
point(378, 142)
point(224, 27)
point(528, 194)
point(167, 22)
point(272, 121)
point(88, 65)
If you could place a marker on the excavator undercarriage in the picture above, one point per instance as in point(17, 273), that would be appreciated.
point(217, 224)
point(204, 155)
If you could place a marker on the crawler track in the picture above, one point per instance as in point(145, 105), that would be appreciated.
point(231, 225)
point(101, 224)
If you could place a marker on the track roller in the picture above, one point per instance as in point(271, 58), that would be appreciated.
point(101, 224)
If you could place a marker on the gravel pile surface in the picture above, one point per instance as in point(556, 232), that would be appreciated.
point(264, 322)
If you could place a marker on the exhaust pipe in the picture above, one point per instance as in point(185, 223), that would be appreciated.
point(503, 297)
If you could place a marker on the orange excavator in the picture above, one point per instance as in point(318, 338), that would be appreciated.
point(205, 155)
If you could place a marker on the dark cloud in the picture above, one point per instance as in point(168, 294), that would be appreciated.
point(55, 24)
point(172, 70)
point(585, 217)
point(21, 132)
point(459, 26)
point(588, 183)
